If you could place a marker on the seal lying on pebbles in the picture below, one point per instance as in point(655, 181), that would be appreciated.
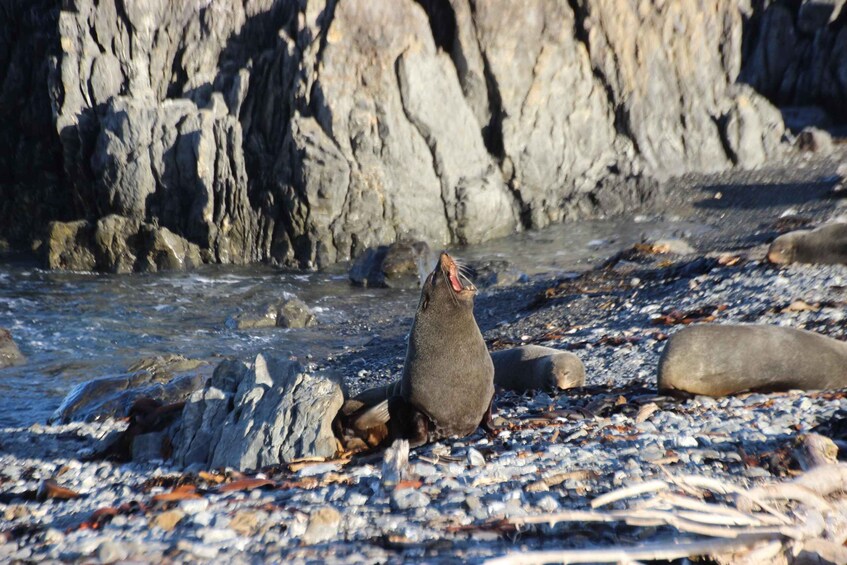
point(825, 245)
point(533, 367)
point(716, 360)
point(448, 377)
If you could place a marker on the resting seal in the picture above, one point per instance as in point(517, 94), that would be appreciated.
point(716, 360)
point(826, 245)
point(533, 367)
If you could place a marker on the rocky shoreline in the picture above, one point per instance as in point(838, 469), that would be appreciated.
point(555, 451)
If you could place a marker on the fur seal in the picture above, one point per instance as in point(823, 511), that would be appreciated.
point(826, 245)
point(448, 378)
point(716, 360)
point(533, 367)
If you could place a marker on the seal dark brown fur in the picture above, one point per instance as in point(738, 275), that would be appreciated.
point(448, 377)
point(826, 245)
point(716, 360)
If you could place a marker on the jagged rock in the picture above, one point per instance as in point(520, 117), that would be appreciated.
point(167, 379)
point(304, 133)
point(290, 312)
point(248, 417)
point(816, 14)
point(9, 353)
point(293, 313)
point(399, 265)
point(796, 54)
point(119, 245)
point(70, 246)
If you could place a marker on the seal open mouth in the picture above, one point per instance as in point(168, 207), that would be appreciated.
point(451, 271)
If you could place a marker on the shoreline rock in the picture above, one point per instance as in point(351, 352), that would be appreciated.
point(10, 354)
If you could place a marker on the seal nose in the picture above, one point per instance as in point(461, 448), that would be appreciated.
point(445, 261)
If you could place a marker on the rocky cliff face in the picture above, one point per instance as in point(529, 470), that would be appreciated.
point(303, 132)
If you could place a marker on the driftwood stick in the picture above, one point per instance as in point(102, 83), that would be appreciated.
point(629, 492)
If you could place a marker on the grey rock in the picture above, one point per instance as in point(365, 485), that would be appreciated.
point(290, 312)
point(229, 126)
point(399, 265)
point(293, 313)
point(167, 379)
point(268, 413)
point(814, 140)
point(494, 273)
point(10, 354)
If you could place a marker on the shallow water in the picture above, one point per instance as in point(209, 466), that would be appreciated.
point(76, 326)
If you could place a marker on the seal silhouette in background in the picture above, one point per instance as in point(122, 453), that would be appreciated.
point(826, 245)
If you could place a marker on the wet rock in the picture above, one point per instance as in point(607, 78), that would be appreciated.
point(167, 379)
point(293, 313)
point(268, 413)
point(399, 265)
point(70, 246)
point(814, 140)
point(117, 244)
point(9, 353)
point(288, 313)
point(494, 273)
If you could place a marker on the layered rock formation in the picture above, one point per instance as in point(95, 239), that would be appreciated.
point(301, 133)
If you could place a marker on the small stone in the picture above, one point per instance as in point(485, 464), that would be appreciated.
point(323, 525)
point(405, 499)
point(194, 506)
point(245, 522)
point(475, 458)
point(110, 552)
point(215, 535)
point(686, 441)
point(168, 519)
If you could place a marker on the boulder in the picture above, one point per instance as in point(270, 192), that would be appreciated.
point(118, 244)
point(10, 355)
point(248, 417)
point(291, 312)
point(493, 273)
point(167, 379)
point(399, 265)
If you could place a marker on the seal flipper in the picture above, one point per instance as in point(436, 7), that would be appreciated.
point(372, 417)
point(407, 422)
point(487, 423)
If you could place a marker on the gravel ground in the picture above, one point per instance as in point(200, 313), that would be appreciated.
point(554, 451)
